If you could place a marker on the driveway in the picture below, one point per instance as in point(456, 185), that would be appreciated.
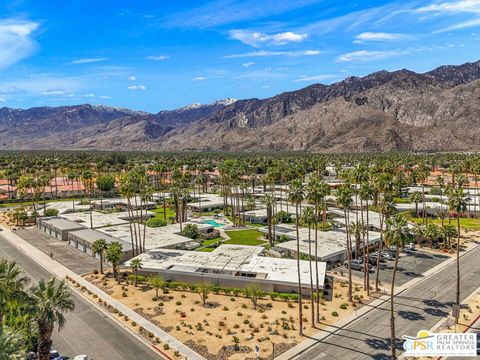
point(72, 258)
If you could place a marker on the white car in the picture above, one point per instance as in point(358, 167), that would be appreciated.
point(81, 357)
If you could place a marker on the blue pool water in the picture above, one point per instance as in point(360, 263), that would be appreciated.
point(213, 223)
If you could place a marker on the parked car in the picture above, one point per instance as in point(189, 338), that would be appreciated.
point(411, 246)
point(408, 251)
point(374, 256)
point(388, 255)
point(81, 357)
point(55, 355)
point(357, 264)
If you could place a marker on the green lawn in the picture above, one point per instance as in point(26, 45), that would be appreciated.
point(469, 224)
point(159, 212)
point(245, 237)
point(211, 241)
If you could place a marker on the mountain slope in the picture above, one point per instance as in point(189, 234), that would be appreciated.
point(383, 111)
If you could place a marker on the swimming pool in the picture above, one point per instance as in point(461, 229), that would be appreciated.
point(213, 223)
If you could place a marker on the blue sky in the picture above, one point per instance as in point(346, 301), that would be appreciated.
point(157, 54)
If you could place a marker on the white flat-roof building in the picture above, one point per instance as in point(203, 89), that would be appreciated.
point(233, 266)
point(83, 240)
point(57, 227)
point(332, 245)
point(161, 237)
point(100, 219)
point(122, 203)
point(207, 202)
point(65, 207)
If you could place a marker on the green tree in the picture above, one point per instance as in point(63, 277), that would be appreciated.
point(190, 231)
point(254, 293)
point(11, 346)
point(114, 254)
point(51, 302)
point(157, 282)
point(203, 289)
point(99, 247)
point(12, 284)
point(135, 265)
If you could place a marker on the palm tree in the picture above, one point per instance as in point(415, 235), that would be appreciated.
point(296, 195)
point(99, 247)
point(269, 201)
point(308, 219)
point(416, 197)
point(51, 302)
point(366, 194)
point(136, 264)
point(344, 199)
point(397, 234)
point(12, 284)
point(457, 202)
point(157, 282)
point(114, 254)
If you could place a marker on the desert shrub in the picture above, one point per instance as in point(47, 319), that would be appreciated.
point(51, 212)
point(334, 313)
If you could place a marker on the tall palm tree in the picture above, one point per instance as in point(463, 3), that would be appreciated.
point(457, 202)
point(416, 197)
point(51, 301)
point(135, 265)
point(99, 247)
point(344, 199)
point(12, 284)
point(397, 234)
point(296, 194)
point(308, 219)
point(366, 194)
point(269, 201)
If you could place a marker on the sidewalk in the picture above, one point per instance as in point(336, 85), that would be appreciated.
point(60, 271)
point(330, 330)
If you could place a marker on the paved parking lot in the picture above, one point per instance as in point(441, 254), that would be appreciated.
point(68, 256)
point(409, 267)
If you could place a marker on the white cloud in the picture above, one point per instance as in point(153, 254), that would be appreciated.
point(379, 36)
point(49, 92)
point(137, 87)
point(87, 61)
point(248, 64)
point(199, 78)
point(89, 95)
point(469, 6)
point(2, 100)
point(322, 77)
point(264, 53)
point(104, 97)
point(257, 39)
point(366, 55)
point(132, 78)
point(16, 42)
point(158, 57)
point(459, 26)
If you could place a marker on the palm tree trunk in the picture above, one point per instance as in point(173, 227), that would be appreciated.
point(392, 309)
point(316, 264)
point(349, 254)
point(300, 311)
point(458, 261)
point(312, 304)
point(45, 341)
point(101, 262)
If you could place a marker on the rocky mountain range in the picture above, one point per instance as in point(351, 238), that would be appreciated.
point(385, 111)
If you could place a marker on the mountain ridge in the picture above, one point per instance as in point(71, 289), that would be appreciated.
point(383, 111)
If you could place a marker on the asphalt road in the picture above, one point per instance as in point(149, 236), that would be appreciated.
point(88, 331)
point(419, 307)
